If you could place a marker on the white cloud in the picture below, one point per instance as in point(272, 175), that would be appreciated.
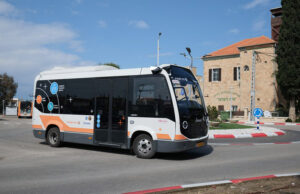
point(141, 24)
point(76, 45)
point(26, 48)
point(20, 34)
point(6, 8)
point(78, 1)
point(259, 26)
point(234, 31)
point(102, 23)
point(161, 54)
point(255, 3)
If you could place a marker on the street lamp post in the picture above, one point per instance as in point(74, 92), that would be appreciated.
point(159, 34)
point(189, 52)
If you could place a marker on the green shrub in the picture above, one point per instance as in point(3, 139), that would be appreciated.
point(298, 120)
point(212, 113)
point(288, 120)
point(225, 115)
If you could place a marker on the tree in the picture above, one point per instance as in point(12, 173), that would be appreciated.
point(288, 54)
point(111, 64)
point(8, 88)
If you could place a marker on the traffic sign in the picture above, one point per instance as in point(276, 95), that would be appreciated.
point(257, 112)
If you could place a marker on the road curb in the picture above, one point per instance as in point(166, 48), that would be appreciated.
point(269, 123)
point(232, 181)
point(251, 135)
point(251, 144)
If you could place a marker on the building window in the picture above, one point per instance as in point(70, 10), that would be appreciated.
point(214, 75)
point(234, 108)
point(221, 108)
point(236, 73)
point(246, 68)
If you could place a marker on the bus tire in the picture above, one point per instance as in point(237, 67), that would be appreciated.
point(53, 137)
point(144, 147)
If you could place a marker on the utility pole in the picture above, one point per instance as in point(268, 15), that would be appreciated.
point(252, 102)
point(231, 102)
point(159, 34)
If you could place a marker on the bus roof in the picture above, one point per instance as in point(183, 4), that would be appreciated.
point(92, 71)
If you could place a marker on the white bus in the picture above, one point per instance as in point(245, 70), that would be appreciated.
point(24, 109)
point(148, 110)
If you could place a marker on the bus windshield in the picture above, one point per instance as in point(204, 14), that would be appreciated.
point(190, 102)
point(187, 89)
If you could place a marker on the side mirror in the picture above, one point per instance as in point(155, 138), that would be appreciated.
point(155, 70)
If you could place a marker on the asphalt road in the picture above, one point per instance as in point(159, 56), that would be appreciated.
point(28, 165)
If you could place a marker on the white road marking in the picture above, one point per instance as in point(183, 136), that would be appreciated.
point(206, 184)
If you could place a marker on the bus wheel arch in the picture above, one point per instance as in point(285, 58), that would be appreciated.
point(137, 133)
point(53, 136)
point(145, 138)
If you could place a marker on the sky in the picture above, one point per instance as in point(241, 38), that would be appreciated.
point(38, 35)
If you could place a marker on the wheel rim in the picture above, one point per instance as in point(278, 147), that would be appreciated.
point(53, 138)
point(144, 146)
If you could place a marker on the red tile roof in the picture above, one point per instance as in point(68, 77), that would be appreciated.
point(233, 49)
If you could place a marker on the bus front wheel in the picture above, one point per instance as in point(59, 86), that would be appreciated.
point(144, 147)
point(53, 137)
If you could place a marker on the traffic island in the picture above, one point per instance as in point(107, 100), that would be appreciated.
point(244, 132)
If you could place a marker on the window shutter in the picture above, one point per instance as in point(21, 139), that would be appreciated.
point(234, 73)
point(209, 75)
point(220, 74)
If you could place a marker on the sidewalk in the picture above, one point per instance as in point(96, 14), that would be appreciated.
point(244, 133)
point(267, 123)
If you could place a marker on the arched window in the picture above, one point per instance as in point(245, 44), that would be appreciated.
point(246, 68)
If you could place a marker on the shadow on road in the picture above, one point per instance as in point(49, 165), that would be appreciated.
point(187, 155)
point(94, 148)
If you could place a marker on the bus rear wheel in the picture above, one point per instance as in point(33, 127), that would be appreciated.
point(144, 147)
point(53, 137)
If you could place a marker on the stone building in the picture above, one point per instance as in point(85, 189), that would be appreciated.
point(276, 22)
point(228, 74)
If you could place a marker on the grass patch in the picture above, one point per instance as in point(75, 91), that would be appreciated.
point(231, 126)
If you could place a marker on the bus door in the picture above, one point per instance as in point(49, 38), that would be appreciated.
point(111, 104)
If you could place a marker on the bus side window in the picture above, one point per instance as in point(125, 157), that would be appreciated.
point(79, 97)
point(151, 98)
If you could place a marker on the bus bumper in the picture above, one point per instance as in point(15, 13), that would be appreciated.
point(179, 146)
point(38, 133)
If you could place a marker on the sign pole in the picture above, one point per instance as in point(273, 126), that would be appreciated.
point(257, 112)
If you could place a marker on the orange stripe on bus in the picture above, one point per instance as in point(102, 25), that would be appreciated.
point(128, 133)
point(180, 137)
point(37, 127)
point(163, 136)
point(56, 120)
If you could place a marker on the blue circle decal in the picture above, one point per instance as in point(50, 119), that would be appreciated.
point(50, 106)
point(53, 88)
